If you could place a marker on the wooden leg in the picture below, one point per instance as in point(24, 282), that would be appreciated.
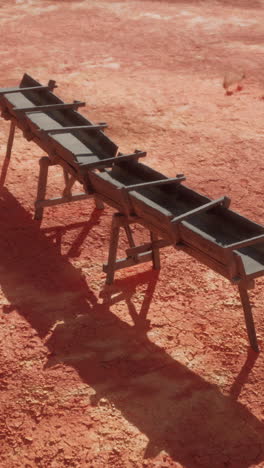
point(129, 236)
point(44, 164)
point(114, 237)
point(69, 182)
point(8, 153)
point(248, 316)
point(67, 192)
point(98, 203)
point(130, 239)
point(155, 252)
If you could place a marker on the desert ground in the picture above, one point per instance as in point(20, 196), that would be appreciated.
point(155, 370)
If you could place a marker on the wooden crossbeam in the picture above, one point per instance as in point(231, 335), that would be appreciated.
point(57, 131)
point(61, 200)
point(135, 254)
point(50, 107)
point(29, 88)
point(179, 178)
point(127, 262)
point(225, 201)
point(144, 248)
point(108, 162)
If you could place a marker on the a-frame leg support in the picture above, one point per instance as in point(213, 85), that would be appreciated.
point(67, 196)
point(135, 254)
point(242, 287)
point(8, 153)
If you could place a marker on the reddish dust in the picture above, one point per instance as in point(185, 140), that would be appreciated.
point(154, 371)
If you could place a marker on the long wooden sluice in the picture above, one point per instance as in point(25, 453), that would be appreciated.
point(176, 215)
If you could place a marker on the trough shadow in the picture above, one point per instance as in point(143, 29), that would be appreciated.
point(246, 4)
point(175, 408)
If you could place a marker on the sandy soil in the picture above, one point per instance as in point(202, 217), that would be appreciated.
point(155, 371)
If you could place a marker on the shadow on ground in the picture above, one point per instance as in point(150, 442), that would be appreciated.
point(177, 409)
point(228, 3)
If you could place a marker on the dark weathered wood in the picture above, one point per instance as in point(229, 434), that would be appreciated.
point(242, 287)
point(44, 164)
point(23, 90)
point(113, 244)
point(135, 255)
point(61, 200)
point(108, 162)
point(246, 243)
point(207, 260)
point(10, 139)
point(129, 235)
point(41, 202)
point(125, 263)
point(208, 247)
point(69, 182)
point(58, 131)
point(155, 251)
point(225, 201)
point(145, 206)
point(155, 183)
point(98, 203)
point(8, 153)
point(50, 107)
point(130, 239)
point(155, 216)
point(159, 244)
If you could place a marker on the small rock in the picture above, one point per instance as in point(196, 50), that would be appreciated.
point(103, 402)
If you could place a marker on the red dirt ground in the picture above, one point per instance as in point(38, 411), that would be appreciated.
point(154, 371)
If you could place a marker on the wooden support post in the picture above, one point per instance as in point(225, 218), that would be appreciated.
point(98, 203)
point(69, 182)
point(129, 236)
point(130, 240)
point(155, 251)
point(67, 195)
point(44, 164)
point(114, 237)
point(67, 192)
point(8, 153)
point(135, 255)
point(242, 287)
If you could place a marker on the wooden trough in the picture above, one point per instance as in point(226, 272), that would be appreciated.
point(208, 230)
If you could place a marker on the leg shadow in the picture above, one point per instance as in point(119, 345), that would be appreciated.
point(56, 233)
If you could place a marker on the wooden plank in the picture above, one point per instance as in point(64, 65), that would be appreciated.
point(113, 246)
point(145, 206)
point(44, 164)
point(108, 162)
point(200, 256)
point(179, 178)
point(203, 242)
point(159, 244)
point(57, 131)
point(201, 209)
point(127, 262)
point(61, 200)
point(246, 243)
point(8, 153)
point(50, 107)
point(155, 251)
point(23, 90)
